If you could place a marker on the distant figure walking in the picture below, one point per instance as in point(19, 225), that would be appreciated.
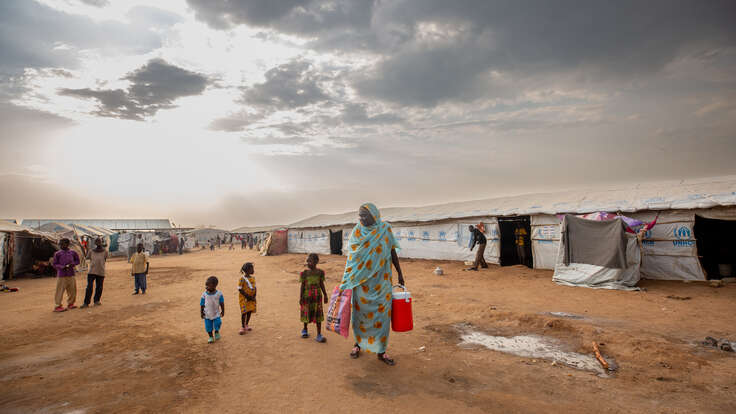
point(480, 239)
point(139, 270)
point(520, 235)
point(96, 275)
point(64, 262)
point(181, 245)
point(242, 243)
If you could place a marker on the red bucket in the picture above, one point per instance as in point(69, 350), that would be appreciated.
point(402, 319)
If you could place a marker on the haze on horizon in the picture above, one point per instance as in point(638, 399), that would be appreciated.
point(251, 112)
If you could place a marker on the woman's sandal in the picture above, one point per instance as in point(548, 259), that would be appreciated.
point(355, 353)
point(385, 359)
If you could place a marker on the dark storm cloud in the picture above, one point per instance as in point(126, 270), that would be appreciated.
point(435, 50)
point(34, 35)
point(292, 85)
point(605, 40)
point(154, 86)
point(291, 16)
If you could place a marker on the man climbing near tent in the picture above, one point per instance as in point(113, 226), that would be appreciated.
point(478, 238)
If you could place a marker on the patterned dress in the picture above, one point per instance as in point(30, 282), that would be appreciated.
point(248, 285)
point(368, 273)
point(311, 301)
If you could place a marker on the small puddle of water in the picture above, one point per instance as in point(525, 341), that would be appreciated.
point(564, 315)
point(532, 346)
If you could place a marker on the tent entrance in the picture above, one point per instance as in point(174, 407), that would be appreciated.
point(32, 256)
point(716, 246)
point(336, 242)
point(515, 229)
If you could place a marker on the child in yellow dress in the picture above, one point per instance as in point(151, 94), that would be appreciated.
point(247, 296)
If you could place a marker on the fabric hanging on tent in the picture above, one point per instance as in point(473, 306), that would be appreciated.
point(601, 243)
point(114, 242)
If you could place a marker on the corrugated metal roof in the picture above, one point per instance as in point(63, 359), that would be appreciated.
point(112, 224)
point(683, 194)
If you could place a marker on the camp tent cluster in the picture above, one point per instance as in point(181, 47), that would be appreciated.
point(692, 238)
point(24, 250)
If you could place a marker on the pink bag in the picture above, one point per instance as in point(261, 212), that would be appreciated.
point(338, 313)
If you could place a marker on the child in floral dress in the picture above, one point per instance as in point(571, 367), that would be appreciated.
point(311, 295)
point(247, 296)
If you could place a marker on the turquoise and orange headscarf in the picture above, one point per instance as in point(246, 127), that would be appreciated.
point(369, 251)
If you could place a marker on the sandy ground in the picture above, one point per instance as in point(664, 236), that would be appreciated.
point(138, 354)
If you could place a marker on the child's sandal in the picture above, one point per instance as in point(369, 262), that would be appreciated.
point(355, 353)
point(305, 334)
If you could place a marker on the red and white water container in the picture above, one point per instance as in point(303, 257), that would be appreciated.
point(402, 319)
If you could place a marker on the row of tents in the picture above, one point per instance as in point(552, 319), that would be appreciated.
point(26, 250)
point(692, 238)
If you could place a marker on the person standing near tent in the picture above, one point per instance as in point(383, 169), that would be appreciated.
point(181, 245)
point(520, 235)
point(96, 274)
point(478, 238)
point(64, 262)
point(139, 270)
point(368, 273)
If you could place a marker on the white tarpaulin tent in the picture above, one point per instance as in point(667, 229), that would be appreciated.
point(309, 241)
point(440, 231)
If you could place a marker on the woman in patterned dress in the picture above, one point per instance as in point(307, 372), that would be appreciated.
point(371, 252)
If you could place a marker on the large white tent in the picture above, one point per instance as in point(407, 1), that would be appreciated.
point(440, 231)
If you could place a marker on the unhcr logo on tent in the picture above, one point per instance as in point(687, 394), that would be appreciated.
point(647, 236)
point(683, 236)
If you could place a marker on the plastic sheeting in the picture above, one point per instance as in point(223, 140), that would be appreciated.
point(669, 249)
point(309, 241)
point(597, 277)
point(446, 241)
point(545, 240)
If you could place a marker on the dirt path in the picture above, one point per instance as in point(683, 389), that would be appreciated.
point(149, 353)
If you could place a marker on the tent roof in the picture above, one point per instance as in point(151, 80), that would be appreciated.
point(682, 194)
point(207, 229)
point(257, 229)
point(7, 227)
point(112, 224)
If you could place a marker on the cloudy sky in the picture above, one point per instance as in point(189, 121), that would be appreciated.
point(251, 112)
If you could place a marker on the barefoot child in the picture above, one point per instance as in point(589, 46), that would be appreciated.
point(311, 294)
point(247, 296)
point(212, 308)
